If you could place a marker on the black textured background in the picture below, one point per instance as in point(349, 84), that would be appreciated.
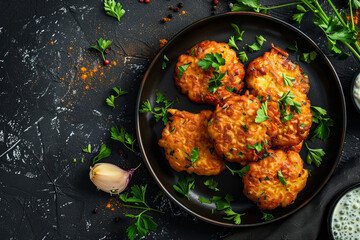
point(49, 111)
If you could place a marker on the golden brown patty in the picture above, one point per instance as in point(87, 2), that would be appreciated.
point(262, 183)
point(235, 132)
point(194, 81)
point(265, 76)
point(184, 132)
point(294, 131)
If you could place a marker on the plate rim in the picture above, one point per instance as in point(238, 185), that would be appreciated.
point(160, 53)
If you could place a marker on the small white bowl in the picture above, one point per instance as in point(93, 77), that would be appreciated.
point(353, 84)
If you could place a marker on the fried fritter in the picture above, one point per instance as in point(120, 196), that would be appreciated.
point(236, 134)
point(262, 182)
point(294, 131)
point(194, 81)
point(265, 76)
point(184, 132)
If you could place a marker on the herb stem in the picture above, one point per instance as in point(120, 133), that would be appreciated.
point(146, 208)
point(351, 15)
point(102, 54)
point(356, 54)
point(337, 13)
point(280, 6)
point(357, 46)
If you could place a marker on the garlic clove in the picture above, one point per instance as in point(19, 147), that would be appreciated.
point(110, 178)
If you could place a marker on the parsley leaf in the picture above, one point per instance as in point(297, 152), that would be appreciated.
point(182, 69)
point(122, 136)
point(211, 60)
point(232, 43)
point(160, 98)
point(267, 216)
point(308, 57)
point(102, 44)
point(260, 40)
point(212, 184)
point(294, 47)
point(254, 47)
point(184, 185)
point(222, 204)
point(261, 114)
point(286, 100)
point(160, 113)
point(240, 172)
point(238, 34)
point(163, 66)
point(215, 81)
point(257, 146)
point(104, 153)
point(194, 155)
point(287, 80)
point(87, 149)
point(322, 131)
point(314, 156)
point(243, 57)
point(236, 217)
point(281, 177)
point(113, 9)
point(110, 100)
point(203, 200)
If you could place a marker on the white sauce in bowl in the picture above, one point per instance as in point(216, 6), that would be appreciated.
point(345, 222)
point(356, 91)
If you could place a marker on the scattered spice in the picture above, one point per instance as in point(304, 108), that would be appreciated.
point(170, 16)
point(95, 210)
point(180, 5)
point(147, 1)
point(176, 9)
point(215, 2)
point(162, 42)
point(171, 8)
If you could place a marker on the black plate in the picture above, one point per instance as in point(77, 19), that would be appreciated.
point(325, 91)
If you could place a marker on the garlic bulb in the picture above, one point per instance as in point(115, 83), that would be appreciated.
point(110, 178)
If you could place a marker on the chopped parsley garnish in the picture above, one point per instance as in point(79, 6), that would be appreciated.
point(110, 100)
point(294, 47)
point(222, 204)
point(182, 69)
point(308, 57)
point(286, 100)
point(245, 128)
point(230, 89)
point(261, 114)
point(184, 185)
point(232, 43)
point(87, 149)
point(212, 184)
point(260, 40)
point(314, 156)
point(215, 81)
point(287, 80)
point(212, 60)
point(203, 200)
point(240, 172)
point(266, 178)
point(163, 66)
point(122, 136)
point(267, 216)
point(254, 47)
point(194, 155)
point(160, 113)
point(322, 131)
point(113, 9)
point(104, 153)
point(236, 217)
point(257, 146)
point(281, 177)
point(101, 46)
point(240, 154)
point(243, 57)
point(238, 34)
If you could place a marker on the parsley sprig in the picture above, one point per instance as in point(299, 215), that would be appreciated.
point(281, 178)
point(113, 9)
point(314, 156)
point(110, 100)
point(322, 131)
point(287, 100)
point(127, 139)
point(215, 81)
point(87, 149)
point(101, 46)
point(240, 172)
point(212, 60)
point(144, 223)
point(254, 5)
point(160, 113)
point(104, 153)
point(212, 184)
point(261, 114)
point(184, 185)
point(267, 216)
point(257, 146)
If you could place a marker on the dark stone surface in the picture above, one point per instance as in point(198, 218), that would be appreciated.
point(49, 111)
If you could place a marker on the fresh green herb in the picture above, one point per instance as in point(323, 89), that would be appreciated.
point(212, 60)
point(122, 136)
point(254, 5)
point(309, 172)
point(82, 160)
point(184, 185)
point(211, 122)
point(110, 100)
point(298, 16)
point(260, 40)
point(267, 216)
point(232, 43)
point(212, 184)
point(230, 89)
point(203, 200)
point(253, 47)
point(266, 178)
point(260, 98)
point(288, 80)
point(160, 113)
point(104, 153)
point(193, 52)
point(261, 114)
point(143, 223)
point(211, 150)
point(222, 204)
point(294, 47)
point(281, 177)
point(87, 149)
point(74, 160)
point(236, 217)
point(257, 146)
point(240, 172)
point(182, 69)
point(194, 155)
point(243, 57)
point(286, 100)
point(163, 66)
point(215, 81)
point(238, 34)
point(245, 128)
point(102, 44)
point(302, 125)
point(240, 154)
point(114, 9)
point(314, 156)
point(308, 57)
point(322, 131)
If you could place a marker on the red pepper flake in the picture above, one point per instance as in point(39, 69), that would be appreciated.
point(176, 9)
point(215, 2)
point(107, 51)
point(147, 1)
